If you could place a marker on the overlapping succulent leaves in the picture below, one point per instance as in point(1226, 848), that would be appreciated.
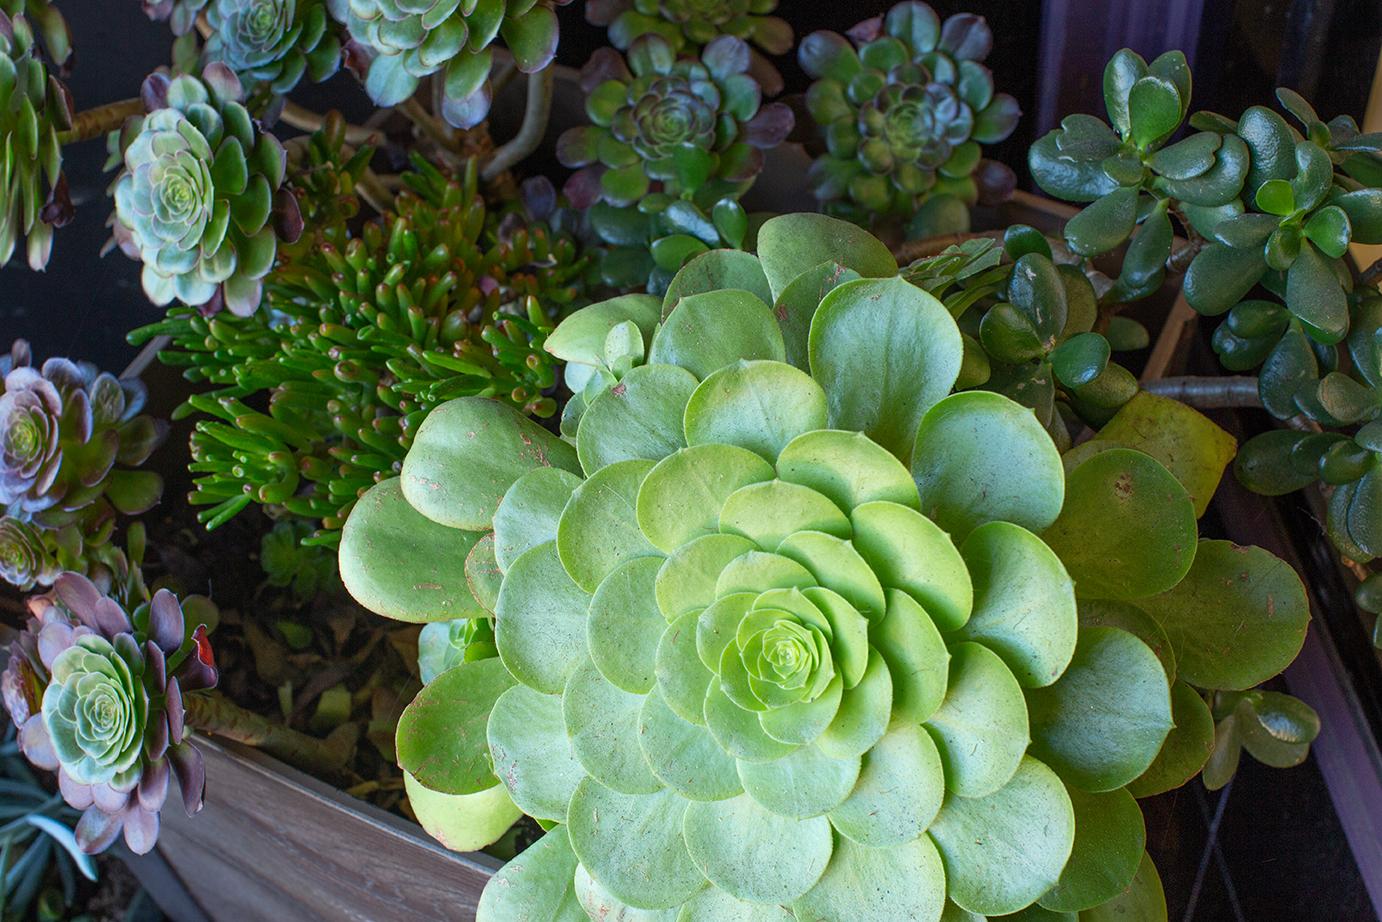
point(272, 44)
point(70, 437)
point(693, 24)
point(365, 334)
point(672, 145)
point(181, 15)
point(1132, 176)
point(406, 40)
point(200, 199)
point(763, 581)
point(903, 105)
point(34, 108)
point(97, 694)
point(1278, 207)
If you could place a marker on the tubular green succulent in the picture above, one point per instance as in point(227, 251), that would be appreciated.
point(199, 187)
point(673, 144)
point(364, 335)
point(902, 112)
point(835, 641)
point(273, 43)
point(406, 40)
point(34, 108)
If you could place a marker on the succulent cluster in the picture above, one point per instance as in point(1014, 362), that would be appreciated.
point(903, 106)
point(835, 640)
point(672, 145)
point(69, 436)
point(200, 199)
point(403, 41)
point(34, 108)
point(363, 335)
point(273, 43)
point(693, 24)
point(1274, 210)
point(97, 693)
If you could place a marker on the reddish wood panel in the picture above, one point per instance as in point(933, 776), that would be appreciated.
point(273, 843)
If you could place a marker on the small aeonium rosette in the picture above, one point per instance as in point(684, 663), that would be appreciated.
point(97, 694)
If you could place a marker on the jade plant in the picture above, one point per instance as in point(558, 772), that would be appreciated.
point(672, 145)
point(96, 688)
point(836, 641)
point(200, 199)
point(317, 398)
point(902, 106)
point(399, 42)
point(35, 107)
point(70, 439)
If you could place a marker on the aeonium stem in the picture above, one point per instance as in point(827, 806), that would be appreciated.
point(101, 121)
point(535, 117)
point(304, 119)
point(215, 714)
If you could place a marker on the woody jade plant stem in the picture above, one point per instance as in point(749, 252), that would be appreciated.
point(217, 715)
point(1208, 393)
point(94, 123)
point(534, 127)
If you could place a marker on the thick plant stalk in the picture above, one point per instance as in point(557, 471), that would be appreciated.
point(217, 715)
point(1208, 393)
point(93, 123)
point(535, 116)
point(431, 126)
point(303, 119)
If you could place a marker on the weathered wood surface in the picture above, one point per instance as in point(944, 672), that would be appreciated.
point(274, 844)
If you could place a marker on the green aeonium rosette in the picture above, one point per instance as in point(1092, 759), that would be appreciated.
point(902, 110)
point(273, 43)
point(401, 41)
point(787, 630)
point(200, 200)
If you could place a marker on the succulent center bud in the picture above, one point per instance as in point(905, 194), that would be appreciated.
point(24, 438)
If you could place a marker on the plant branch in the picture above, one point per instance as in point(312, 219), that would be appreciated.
point(1208, 393)
point(303, 119)
point(93, 123)
point(217, 715)
point(430, 125)
point(535, 116)
point(375, 193)
point(1372, 273)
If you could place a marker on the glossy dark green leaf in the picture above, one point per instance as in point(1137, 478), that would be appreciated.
point(1314, 295)
point(1068, 178)
point(1080, 359)
point(1329, 229)
point(1220, 276)
point(1154, 110)
point(1272, 145)
point(1104, 224)
point(1290, 366)
point(1264, 463)
point(1124, 69)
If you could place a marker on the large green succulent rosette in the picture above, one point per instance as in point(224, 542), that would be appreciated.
point(788, 630)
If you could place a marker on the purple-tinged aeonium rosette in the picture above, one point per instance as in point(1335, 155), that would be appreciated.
point(69, 436)
point(97, 694)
